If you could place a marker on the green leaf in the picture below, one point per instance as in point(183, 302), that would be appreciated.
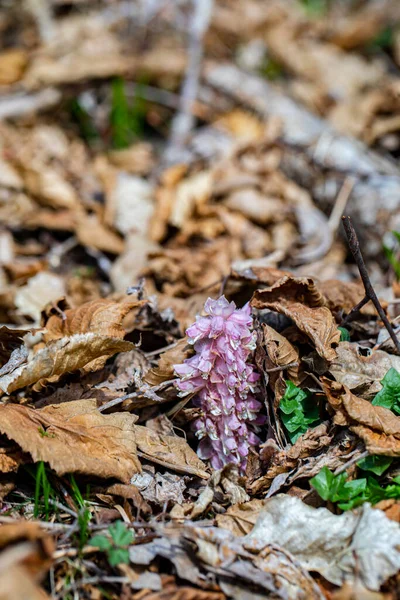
point(389, 396)
point(349, 494)
point(344, 334)
point(376, 464)
point(101, 542)
point(322, 483)
point(120, 534)
point(298, 411)
point(116, 556)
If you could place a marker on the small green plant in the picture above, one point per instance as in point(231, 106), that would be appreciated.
point(376, 464)
point(116, 545)
point(84, 514)
point(392, 253)
point(299, 411)
point(126, 120)
point(350, 494)
point(83, 120)
point(344, 334)
point(43, 491)
point(389, 396)
point(383, 40)
point(271, 69)
point(316, 8)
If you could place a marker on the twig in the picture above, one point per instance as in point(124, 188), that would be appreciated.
point(139, 393)
point(350, 462)
point(62, 507)
point(340, 203)
point(160, 350)
point(184, 119)
point(281, 367)
point(370, 294)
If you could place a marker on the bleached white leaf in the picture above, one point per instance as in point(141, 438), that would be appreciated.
point(364, 543)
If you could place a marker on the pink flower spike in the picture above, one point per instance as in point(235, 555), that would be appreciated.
point(223, 380)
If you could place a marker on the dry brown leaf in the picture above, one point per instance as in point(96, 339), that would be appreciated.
point(175, 591)
point(20, 530)
point(75, 438)
point(11, 459)
point(16, 583)
point(364, 373)
point(88, 350)
point(137, 159)
point(12, 65)
point(165, 367)
point(377, 426)
point(240, 518)
point(280, 351)
point(50, 187)
point(282, 461)
point(344, 295)
point(93, 234)
point(129, 492)
point(101, 316)
point(169, 451)
point(300, 300)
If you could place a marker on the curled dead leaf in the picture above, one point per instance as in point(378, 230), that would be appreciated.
point(100, 316)
point(86, 350)
point(300, 300)
point(377, 426)
point(75, 438)
point(169, 451)
point(281, 352)
point(165, 367)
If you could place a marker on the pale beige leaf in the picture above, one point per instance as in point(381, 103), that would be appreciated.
point(41, 289)
point(18, 584)
point(94, 234)
point(300, 300)
point(169, 451)
point(74, 437)
point(68, 354)
point(354, 370)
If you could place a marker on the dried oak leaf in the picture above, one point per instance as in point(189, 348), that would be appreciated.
point(240, 518)
point(86, 350)
point(169, 451)
point(283, 461)
point(165, 368)
point(344, 295)
point(378, 427)
point(102, 316)
point(299, 299)
point(281, 352)
point(75, 438)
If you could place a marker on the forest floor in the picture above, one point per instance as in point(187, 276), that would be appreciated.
point(154, 155)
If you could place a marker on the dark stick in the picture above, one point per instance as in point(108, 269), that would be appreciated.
point(370, 294)
point(355, 310)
